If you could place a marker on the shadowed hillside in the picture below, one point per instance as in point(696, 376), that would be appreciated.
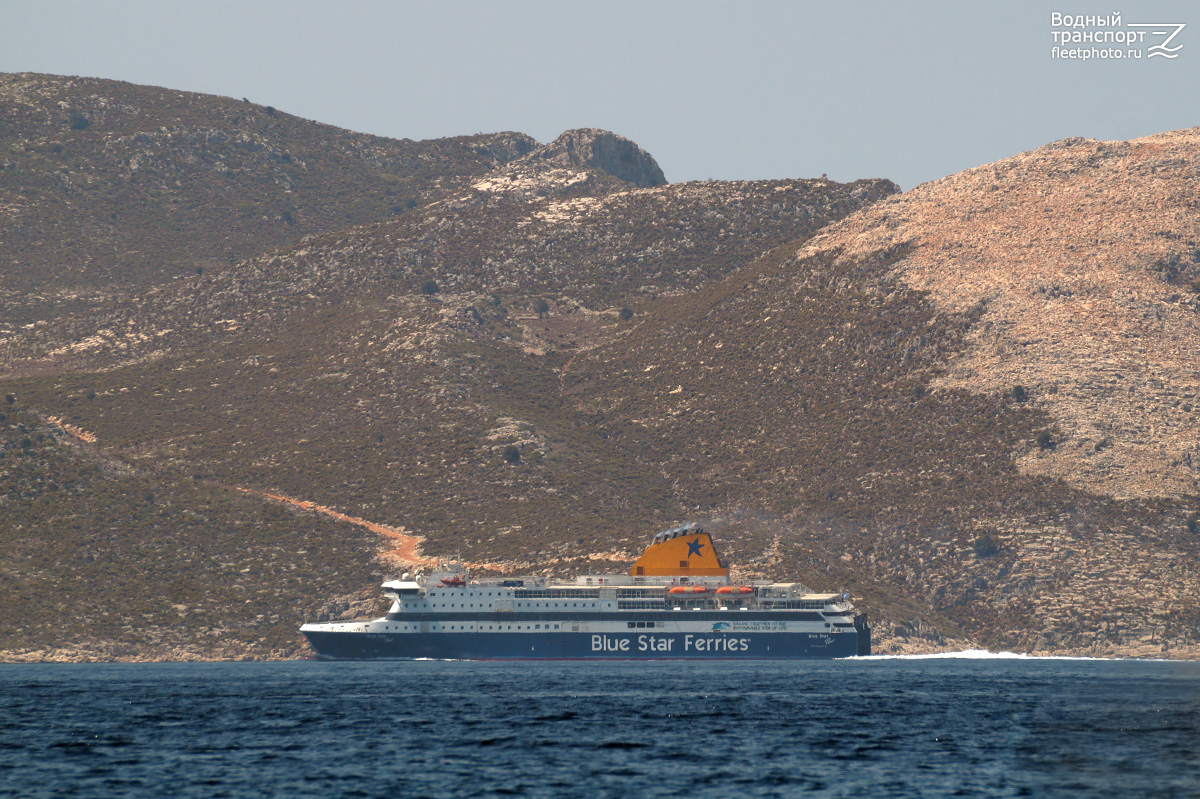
point(108, 186)
point(493, 258)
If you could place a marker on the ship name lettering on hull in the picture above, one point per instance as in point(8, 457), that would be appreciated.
point(657, 643)
point(645, 643)
point(698, 644)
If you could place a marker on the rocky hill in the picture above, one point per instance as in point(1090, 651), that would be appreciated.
point(382, 372)
point(481, 255)
point(982, 391)
point(971, 404)
point(108, 186)
point(1083, 260)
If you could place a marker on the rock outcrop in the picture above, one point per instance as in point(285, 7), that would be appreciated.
point(599, 149)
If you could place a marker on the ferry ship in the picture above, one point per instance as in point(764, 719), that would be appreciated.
point(676, 602)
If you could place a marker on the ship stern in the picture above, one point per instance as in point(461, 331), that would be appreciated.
point(863, 628)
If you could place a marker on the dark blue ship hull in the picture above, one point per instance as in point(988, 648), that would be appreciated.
point(588, 646)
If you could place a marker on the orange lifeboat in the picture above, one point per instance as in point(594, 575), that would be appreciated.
point(736, 590)
point(457, 581)
point(689, 589)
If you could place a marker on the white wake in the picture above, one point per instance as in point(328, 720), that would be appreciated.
point(983, 654)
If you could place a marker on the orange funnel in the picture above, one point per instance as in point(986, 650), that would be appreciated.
point(682, 552)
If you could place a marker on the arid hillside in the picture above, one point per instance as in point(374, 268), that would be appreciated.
point(1082, 259)
point(987, 386)
point(108, 186)
point(973, 405)
point(478, 256)
point(389, 373)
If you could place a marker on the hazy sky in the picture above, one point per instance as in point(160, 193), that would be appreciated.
point(910, 91)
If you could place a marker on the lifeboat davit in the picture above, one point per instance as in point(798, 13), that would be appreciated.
point(736, 590)
point(689, 589)
point(457, 581)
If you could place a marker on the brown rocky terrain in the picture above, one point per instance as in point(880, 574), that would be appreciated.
point(103, 560)
point(935, 403)
point(329, 378)
point(107, 187)
point(486, 252)
point(1085, 257)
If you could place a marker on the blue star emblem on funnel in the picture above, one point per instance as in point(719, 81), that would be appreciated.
point(694, 547)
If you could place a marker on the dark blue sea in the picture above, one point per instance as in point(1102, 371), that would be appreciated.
point(852, 728)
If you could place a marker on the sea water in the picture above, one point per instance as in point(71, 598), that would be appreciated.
point(966, 726)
